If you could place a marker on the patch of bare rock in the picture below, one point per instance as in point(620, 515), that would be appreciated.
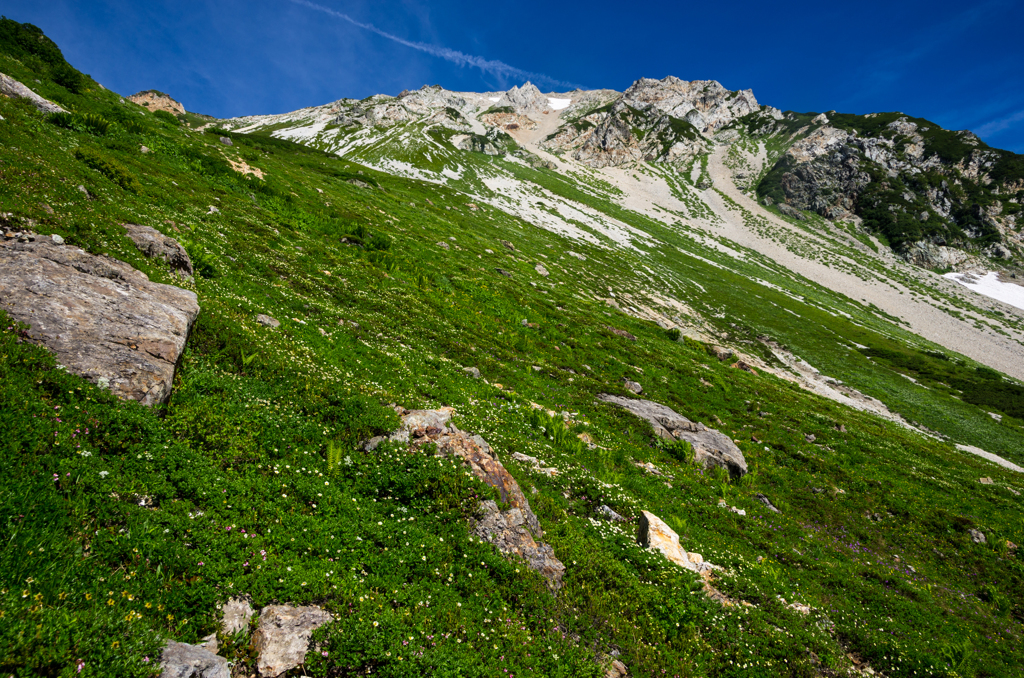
point(515, 531)
point(157, 101)
point(103, 319)
point(711, 447)
point(9, 87)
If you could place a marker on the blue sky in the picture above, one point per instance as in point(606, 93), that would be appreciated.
point(958, 64)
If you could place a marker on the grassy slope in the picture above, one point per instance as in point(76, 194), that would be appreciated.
point(240, 498)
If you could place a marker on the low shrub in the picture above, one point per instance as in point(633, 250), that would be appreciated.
point(109, 168)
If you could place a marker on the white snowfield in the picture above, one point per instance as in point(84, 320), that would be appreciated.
point(990, 286)
point(559, 104)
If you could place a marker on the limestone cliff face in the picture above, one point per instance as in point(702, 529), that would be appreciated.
point(705, 104)
point(157, 101)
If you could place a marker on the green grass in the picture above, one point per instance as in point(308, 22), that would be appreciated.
point(124, 526)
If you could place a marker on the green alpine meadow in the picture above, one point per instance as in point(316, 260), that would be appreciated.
point(663, 382)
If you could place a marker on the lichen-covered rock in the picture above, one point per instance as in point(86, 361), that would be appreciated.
point(155, 245)
point(710, 447)
point(9, 87)
point(282, 638)
point(180, 660)
point(102, 319)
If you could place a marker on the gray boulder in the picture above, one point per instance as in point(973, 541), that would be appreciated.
point(710, 447)
point(102, 319)
point(180, 660)
point(790, 211)
point(267, 321)
point(472, 371)
point(12, 88)
point(155, 245)
point(977, 536)
point(282, 638)
point(235, 615)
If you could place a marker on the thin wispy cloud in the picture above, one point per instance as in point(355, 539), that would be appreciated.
point(993, 127)
point(493, 67)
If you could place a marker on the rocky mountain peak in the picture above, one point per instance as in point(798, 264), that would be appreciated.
point(705, 104)
point(524, 100)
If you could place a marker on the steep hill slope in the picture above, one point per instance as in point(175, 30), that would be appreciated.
point(443, 249)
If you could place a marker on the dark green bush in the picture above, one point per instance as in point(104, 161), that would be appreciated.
point(109, 168)
point(169, 118)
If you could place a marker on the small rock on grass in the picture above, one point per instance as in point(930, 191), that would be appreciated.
point(180, 660)
point(267, 321)
point(282, 638)
point(985, 481)
point(472, 371)
point(977, 536)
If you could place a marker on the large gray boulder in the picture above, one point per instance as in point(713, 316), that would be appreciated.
point(710, 447)
point(282, 638)
point(180, 660)
point(102, 319)
point(9, 87)
point(155, 245)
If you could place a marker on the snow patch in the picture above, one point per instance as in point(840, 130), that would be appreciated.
point(990, 286)
point(559, 104)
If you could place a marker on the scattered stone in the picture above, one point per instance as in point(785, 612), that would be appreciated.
point(711, 448)
point(180, 660)
point(622, 333)
point(537, 464)
point(102, 319)
point(226, 141)
point(213, 210)
point(12, 88)
point(525, 322)
point(282, 638)
point(155, 245)
point(83, 190)
point(503, 272)
point(507, 244)
point(764, 500)
point(977, 536)
point(740, 365)
point(267, 321)
point(810, 437)
point(985, 481)
point(722, 354)
point(57, 240)
point(649, 467)
point(608, 513)
point(541, 270)
point(617, 670)
point(472, 371)
point(737, 511)
point(144, 150)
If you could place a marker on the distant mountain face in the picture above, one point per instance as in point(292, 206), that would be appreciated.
point(938, 198)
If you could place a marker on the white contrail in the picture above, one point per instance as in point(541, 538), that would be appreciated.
point(497, 68)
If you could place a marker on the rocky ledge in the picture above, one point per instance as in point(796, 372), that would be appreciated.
point(710, 447)
point(102, 319)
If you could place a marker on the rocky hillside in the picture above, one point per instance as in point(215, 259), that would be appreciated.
point(401, 386)
point(931, 193)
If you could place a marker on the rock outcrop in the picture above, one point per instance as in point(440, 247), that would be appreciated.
point(655, 534)
point(155, 245)
point(514, 531)
point(705, 104)
point(282, 638)
point(180, 660)
point(157, 101)
point(526, 100)
point(9, 87)
point(102, 319)
point(710, 447)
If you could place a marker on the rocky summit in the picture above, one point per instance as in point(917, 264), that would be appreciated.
point(664, 381)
